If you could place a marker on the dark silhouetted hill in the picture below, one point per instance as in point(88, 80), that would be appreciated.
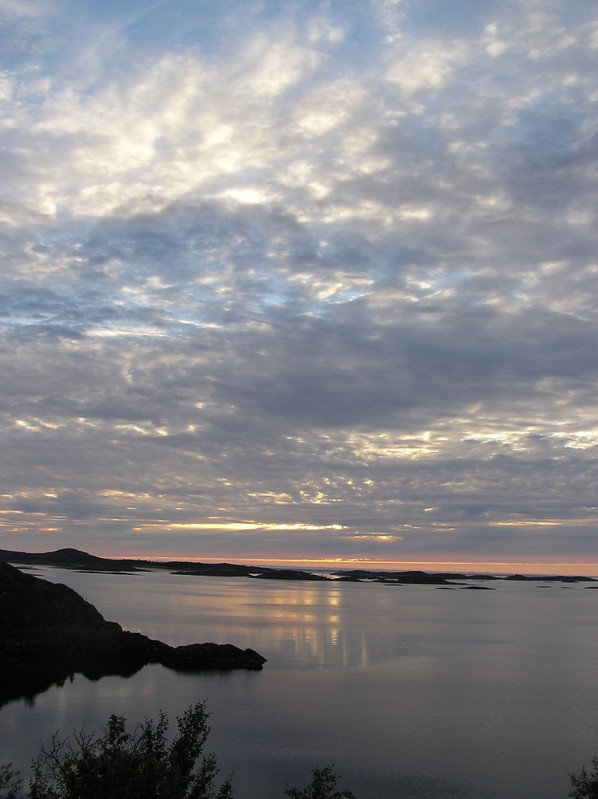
point(49, 630)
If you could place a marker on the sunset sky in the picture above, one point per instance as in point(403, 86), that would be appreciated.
point(300, 280)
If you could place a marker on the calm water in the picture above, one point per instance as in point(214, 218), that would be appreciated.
point(410, 691)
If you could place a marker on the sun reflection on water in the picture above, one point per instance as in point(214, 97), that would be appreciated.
point(294, 624)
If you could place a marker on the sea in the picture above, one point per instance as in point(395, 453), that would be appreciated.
point(410, 692)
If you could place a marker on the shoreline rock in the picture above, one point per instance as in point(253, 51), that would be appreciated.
point(69, 558)
point(48, 626)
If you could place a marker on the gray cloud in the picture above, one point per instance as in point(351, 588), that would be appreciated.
point(329, 276)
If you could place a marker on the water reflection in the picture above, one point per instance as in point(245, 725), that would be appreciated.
point(293, 624)
point(26, 682)
point(411, 692)
point(307, 625)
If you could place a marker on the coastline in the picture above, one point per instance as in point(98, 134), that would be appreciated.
point(79, 560)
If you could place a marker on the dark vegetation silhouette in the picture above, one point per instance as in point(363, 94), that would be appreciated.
point(585, 784)
point(116, 763)
point(123, 764)
point(321, 787)
point(146, 763)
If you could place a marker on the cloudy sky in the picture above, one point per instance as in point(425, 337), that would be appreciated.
point(300, 280)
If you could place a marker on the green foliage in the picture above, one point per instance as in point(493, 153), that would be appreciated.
point(321, 787)
point(119, 764)
point(141, 764)
point(9, 782)
point(584, 785)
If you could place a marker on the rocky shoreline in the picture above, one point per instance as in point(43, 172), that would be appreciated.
point(48, 627)
point(82, 561)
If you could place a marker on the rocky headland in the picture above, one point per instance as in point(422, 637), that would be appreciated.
point(49, 629)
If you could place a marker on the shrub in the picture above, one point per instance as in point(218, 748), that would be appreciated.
point(120, 764)
point(9, 783)
point(584, 785)
point(321, 787)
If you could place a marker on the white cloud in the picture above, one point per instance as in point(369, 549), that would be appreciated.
point(24, 8)
point(423, 66)
point(276, 277)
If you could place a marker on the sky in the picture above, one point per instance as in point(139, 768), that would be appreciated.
point(309, 281)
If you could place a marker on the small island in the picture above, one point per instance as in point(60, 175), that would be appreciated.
point(76, 559)
point(48, 632)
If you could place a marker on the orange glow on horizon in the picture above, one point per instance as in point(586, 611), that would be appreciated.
point(471, 566)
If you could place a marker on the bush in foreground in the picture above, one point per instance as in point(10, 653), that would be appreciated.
point(585, 785)
point(118, 764)
point(142, 764)
point(321, 787)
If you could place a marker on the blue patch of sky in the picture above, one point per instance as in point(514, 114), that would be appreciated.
point(439, 18)
point(450, 279)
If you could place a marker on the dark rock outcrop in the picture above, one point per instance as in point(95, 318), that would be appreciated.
point(396, 578)
point(288, 574)
point(82, 561)
point(69, 558)
point(48, 626)
point(476, 588)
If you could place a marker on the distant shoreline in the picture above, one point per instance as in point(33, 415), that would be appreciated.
point(76, 559)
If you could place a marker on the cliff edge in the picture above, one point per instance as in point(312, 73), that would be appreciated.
point(48, 625)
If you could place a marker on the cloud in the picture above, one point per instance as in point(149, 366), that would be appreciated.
point(330, 274)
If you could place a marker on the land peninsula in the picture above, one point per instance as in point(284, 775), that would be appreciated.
point(48, 632)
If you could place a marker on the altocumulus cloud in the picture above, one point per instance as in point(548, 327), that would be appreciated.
point(304, 282)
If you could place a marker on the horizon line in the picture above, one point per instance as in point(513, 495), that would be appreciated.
point(369, 563)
